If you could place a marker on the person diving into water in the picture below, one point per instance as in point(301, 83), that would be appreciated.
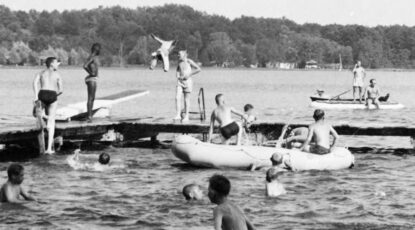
point(162, 54)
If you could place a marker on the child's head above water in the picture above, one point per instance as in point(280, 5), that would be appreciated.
point(104, 158)
point(192, 192)
point(15, 172)
point(219, 187)
point(276, 159)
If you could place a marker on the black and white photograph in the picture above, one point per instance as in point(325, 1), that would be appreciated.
point(219, 114)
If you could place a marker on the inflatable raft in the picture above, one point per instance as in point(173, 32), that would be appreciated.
point(349, 104)
point(198, 153)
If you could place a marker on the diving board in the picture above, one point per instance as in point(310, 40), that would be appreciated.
point(101, 107)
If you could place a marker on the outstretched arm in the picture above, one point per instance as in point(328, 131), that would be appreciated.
point(309, 136)
point(335, 136)
point(25, 195)
point(212, 123)
point(36, 85)
point(156, 38)
point(234, 111)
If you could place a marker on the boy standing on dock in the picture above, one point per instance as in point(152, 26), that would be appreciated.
point(50, 83)
point(223, 115)
point(226, 215)
point(184, 86)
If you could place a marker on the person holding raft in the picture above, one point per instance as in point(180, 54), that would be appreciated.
point(359, 75)
point(91, 67)
point(162, 54)
point(223, 115)
point(50, 83)
point(319, 133)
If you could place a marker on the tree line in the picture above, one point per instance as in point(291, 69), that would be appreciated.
point(27, 37)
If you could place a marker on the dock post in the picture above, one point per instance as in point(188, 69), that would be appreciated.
point(204, 137)
point(40, 124)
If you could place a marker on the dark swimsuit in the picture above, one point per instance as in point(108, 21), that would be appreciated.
point(317, 149)
point(47, 97)
point(229, 130)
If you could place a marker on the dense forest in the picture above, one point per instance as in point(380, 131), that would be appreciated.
point(27, 37)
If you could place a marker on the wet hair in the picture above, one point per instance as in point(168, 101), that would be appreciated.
point(220, 184)
point(276, 159)
point(49, 61)
point(248, 107)
point(104, 158)
point(271, 174)
point(187, 189)
point(14, 170)
point(217, 97)
point(96, 48)
point(371, 80)
point(318, 114)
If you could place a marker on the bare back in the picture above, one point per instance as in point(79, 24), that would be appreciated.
point(13, 192)
point(49, 80)
point(223, 115)
point(321, 134)
point(232, 217)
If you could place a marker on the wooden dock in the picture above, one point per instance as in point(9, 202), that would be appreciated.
point(134, 128)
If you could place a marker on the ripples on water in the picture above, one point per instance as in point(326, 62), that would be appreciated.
point(379, 193)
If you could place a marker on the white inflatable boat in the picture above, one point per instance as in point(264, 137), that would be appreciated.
point(348, 104)
point(198, 153)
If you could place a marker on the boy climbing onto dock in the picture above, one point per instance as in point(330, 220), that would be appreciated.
point(50, 83)
point(226, 215)
point(12, 190)
point(223, 115)
point(184, 86)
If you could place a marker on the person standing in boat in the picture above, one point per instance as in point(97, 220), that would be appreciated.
point(319, 133)
point(50, 83)
point(359, 75)
point(91, 67)
point(372, 94)
point(223, 115)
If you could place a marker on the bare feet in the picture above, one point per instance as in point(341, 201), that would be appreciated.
point(49, 152)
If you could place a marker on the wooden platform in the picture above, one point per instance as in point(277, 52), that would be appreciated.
point(133, 128)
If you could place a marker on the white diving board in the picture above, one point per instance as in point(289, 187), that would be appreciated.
point(101, 107)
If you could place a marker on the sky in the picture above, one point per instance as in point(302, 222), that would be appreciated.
point(363, 12)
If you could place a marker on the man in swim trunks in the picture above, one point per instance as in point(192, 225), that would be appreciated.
point(223, 115)
point(184, 86)
point(91, 67)
point(372, 94)
point(359, 75)
point(50, 84)
point(162, 54)
point(319, 133)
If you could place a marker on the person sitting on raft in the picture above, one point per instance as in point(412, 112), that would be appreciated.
point(319, 133)
point(296, 138)
point(372, 94)
point(162, 54)
point(223, 115)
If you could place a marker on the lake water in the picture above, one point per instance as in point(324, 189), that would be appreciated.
point(379, 193)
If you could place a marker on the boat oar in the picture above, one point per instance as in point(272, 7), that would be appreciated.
point(339, 95)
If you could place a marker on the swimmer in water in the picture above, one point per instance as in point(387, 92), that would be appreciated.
point(223, 115)
point(273, 187)
point(50, 83)
point(184, 86)
point(103, 162)
point(192, 192)
point(91, 81)
point(226, 215)
point(12, 190)
point(162, 54)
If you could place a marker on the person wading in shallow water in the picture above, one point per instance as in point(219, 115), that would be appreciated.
point(91, 67)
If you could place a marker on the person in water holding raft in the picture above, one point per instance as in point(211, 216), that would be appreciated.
point(319, 133)
point(226, 215)
point(184, 86)
point(47, 85)
point(91, 67)
point(359, 75)
point(12, 190)
point(273, 187)
point(372, 94)
point(223, 115)
point(162, 54)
